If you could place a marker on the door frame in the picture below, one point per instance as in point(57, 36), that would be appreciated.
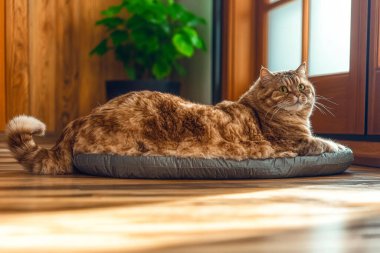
point(2, 67)
point(239, 43)
point(373, 116)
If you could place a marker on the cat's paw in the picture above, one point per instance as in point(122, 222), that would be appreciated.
point(318, 146)
point(333, 147)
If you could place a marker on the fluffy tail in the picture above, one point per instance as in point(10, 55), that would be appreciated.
point(58, 160)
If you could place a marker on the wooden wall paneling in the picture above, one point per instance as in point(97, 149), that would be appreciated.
point(91, 78)
point(2, 67)
point(374, 71)
point(49, 73)
point(17, 57)
point(240, 47)
point(68, 31)
point(42, 30)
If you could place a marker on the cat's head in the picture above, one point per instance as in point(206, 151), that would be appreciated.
point(288, 91)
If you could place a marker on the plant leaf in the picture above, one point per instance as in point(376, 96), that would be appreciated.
point(131, 72)
point(118, 37)
point(152, 38)
point(192, 20)
point(202, 44)
point(161, 69)
point(192, 34)
point(183, 45)
point(111, 23)
point(101, 48)
point(112, 10)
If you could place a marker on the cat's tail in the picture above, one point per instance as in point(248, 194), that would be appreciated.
point(39, 160)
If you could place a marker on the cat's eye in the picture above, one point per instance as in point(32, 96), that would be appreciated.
point(301, 86)
point(284, 89)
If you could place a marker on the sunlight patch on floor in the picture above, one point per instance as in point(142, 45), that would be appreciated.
point(198, 219)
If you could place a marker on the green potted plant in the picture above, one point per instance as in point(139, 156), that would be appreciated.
point(150, 38)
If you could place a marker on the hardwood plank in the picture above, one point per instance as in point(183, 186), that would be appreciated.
point(43, 53)
point(17, 58)
point(2, 67)
point(68, 50)
point(80, 213)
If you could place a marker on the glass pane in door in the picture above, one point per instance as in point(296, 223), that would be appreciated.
point(285, 36)
point(330, 31)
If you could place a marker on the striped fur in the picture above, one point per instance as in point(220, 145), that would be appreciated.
point(57, 160)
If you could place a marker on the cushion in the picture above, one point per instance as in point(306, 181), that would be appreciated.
point(164, 167)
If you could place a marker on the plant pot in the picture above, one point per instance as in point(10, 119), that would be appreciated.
point(120, 87)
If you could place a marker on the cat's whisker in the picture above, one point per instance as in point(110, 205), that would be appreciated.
point(274, 113)
point(325, 99)
point(322, 110)
point(278, 108)
point(320, 103)
point(326, 108)
point(319, 109)
point(272, 108)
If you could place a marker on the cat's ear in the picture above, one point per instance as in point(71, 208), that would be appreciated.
point(302, 69)
point(265, 74)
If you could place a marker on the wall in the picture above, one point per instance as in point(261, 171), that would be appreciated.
point(49, 73)
point(2, 65)
point(196, 85)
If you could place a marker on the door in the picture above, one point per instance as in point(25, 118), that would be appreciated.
point(331, 37)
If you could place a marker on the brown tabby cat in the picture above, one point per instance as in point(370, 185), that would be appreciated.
point(270, 120)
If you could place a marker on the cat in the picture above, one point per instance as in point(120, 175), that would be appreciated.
point(272, 119)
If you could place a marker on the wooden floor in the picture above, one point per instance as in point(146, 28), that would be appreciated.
point(88, 214)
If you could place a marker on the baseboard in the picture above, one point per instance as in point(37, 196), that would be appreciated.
point(366, 153)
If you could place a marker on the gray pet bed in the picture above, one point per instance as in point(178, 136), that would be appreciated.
point(199, 168)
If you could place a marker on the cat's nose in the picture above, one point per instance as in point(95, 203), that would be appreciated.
point(300, 99)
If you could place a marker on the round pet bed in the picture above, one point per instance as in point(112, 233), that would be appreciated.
point(163, 167)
